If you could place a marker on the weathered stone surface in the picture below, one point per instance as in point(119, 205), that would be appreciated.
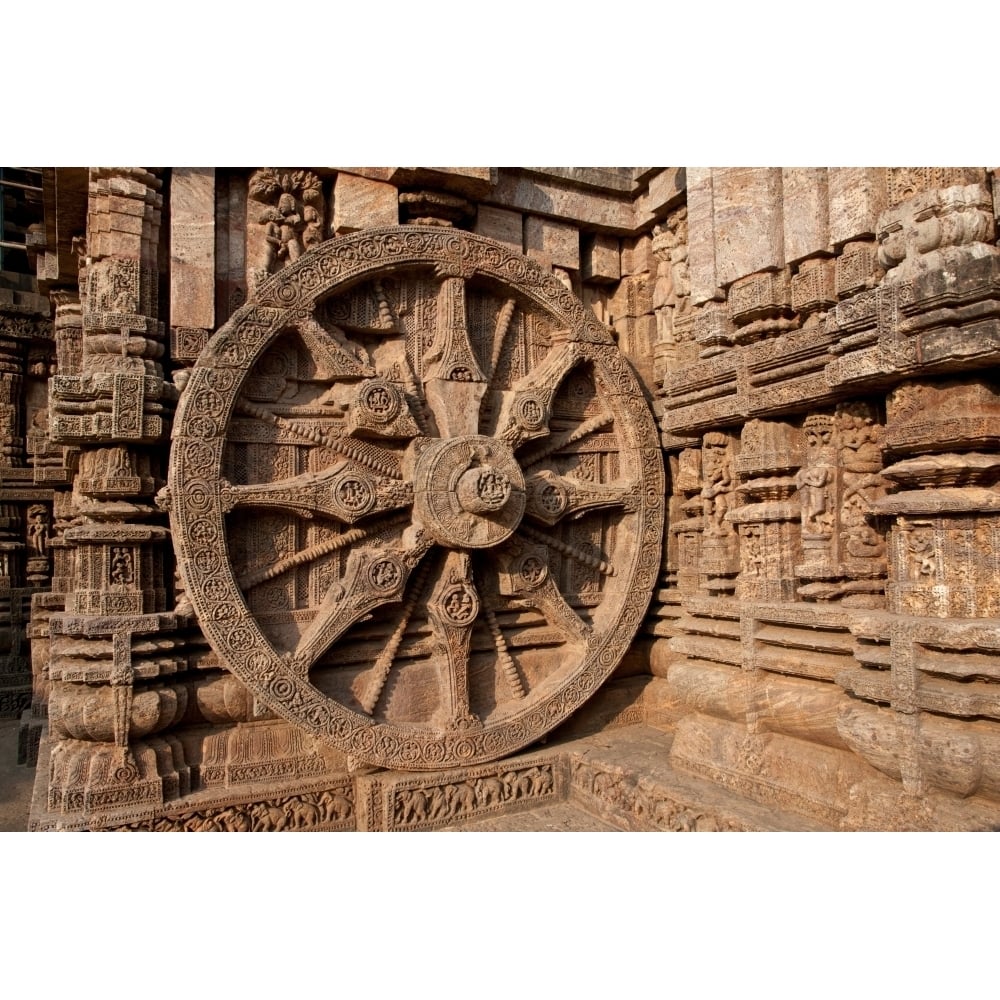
point(530, 194)
point(552, 242)
point(602, 260)
point(192, 247)
point(359, 202)
point(857, 196)
point(805, 213)
point(747, 220)
point(701, 236)
point(500, 224)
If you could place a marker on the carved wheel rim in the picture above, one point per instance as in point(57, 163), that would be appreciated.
point(450, 547)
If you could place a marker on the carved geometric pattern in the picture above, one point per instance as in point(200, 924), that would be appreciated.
point(426, 592)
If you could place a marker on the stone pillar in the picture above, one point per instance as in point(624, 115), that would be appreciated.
point(106, 699)
point(925, 659)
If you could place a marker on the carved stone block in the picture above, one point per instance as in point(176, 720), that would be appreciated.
point(857, 196)
point(952, 224)
point(187, 343)
point(812, 287)
point(712, 327)
point(758, 296)
point(905, 182)
point(943, 415)
point(855, 268)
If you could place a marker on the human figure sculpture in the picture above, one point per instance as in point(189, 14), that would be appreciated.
point(38, 529)
point(815, 480)
point(718, 482)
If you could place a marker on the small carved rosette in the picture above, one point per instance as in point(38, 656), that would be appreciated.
point(417, 497)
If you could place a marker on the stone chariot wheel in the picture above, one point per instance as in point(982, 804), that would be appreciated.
point(417, 497)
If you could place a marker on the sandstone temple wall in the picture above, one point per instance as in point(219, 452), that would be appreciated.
point(819, 347)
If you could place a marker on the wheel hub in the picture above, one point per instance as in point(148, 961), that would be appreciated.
point(469, 492)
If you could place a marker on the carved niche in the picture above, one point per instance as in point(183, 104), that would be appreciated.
point(417, 497)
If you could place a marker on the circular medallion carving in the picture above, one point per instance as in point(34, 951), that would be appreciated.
point(381, 401)
point(354, 494)
point(460, 605)
point(379, 577)
point(385, 575)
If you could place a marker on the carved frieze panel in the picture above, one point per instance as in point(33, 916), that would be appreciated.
point(416, 804)
point(417, 497)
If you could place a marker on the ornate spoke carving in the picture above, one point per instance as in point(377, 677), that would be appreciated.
point(341, 492)
point(370, 456)
point(380, 672)
point(454, 383)
point(453, 609)
point(552, 497)
point(527, 409)
point(573, 551)
point(524, 573)
point(308, 555)
point(559, 441)
point(375, 576)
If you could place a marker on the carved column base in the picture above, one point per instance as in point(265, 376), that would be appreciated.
point(99, 784)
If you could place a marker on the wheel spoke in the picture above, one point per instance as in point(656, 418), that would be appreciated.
point(336, 357)
point(341, 492)
point(506, 662)
point(374, 576)
point(564, 548)
point(453, 608)
point(559, 441)
point(317, 551)
point(379, 673)
point(524, 573)
point(527, 408)
point(363, 452)
point(454, 384)
point(552, 497)
point(379, 408)
point(504, 317)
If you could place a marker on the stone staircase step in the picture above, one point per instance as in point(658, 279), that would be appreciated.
point(625, 777)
